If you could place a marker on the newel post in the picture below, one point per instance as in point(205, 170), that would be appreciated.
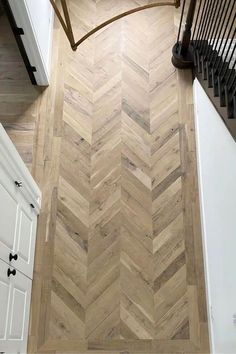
point(182, 57)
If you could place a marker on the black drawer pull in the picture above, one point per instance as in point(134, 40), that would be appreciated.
point(13, 256)
point(18, 184)
point(11, 272)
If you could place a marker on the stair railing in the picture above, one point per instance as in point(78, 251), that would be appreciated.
point(208, 46)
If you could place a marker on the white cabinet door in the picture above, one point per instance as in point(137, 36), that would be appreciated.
point(4, 301)
point(15, 321)
point(25, 239)
point(8, 216)
point(18, 222)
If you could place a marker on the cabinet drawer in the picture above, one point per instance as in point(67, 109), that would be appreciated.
point(18, 174)
point(15, 294)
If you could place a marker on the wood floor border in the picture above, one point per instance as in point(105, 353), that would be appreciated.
point(147, 346)
point(33, 119)
point(198, 330)
point(48, 147)
point(45, 171)
point(195, 264)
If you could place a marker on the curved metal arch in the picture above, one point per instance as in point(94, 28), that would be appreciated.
point(68, 28)
point(118, 17)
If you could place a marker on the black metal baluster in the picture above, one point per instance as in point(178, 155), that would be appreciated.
point(196, 26)
point(222, 18)
point(212, 48)
point(204, 26)
point(234, 80)
point(230, 92)
point(225, 62)
point(211, 51)
point(226, 20)
point(226, 40)
point(230, 75)
point(223, 71)
point(215, 29)
point(226, 75)
point(210, 28)
point(196, 20)
point(200, 28)
point(218, 62)
point(206, 44)
point(198, 36)
point(234, 91)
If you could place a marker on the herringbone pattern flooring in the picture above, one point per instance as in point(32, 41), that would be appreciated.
point(118, 259)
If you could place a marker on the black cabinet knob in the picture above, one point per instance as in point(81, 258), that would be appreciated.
point(11, 272)
point(18, 184)
point(13, 256)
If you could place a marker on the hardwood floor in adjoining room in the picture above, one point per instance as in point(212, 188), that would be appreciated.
point(19, 100)
point(118, 261)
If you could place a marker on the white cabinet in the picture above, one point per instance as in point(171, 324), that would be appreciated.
point(4, 300)
point(15, 292)
point(19, 208)
point(18, 221)
point(8, 219)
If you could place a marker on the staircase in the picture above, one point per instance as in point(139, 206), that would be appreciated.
point(208, 46)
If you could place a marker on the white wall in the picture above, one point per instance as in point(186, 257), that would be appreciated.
point(217, 181)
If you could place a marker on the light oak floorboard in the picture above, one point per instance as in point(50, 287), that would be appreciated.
point(111, 143)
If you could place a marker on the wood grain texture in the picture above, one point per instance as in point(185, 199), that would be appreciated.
point(118, 259)
point(19, 100)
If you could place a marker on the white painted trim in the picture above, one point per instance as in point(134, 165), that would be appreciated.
point(216, 154)
point(203, 223)
point(16, 169)
point(23, 19)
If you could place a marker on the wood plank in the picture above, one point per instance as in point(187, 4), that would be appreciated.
point(111, 143)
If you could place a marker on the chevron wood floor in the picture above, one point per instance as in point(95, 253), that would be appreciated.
point(118, 261)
